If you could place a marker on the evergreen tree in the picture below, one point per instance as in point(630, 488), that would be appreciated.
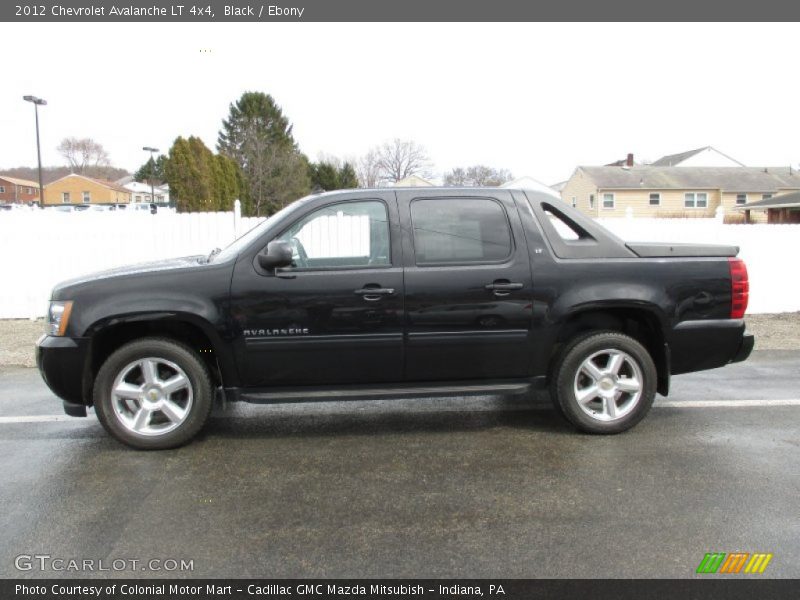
point(324, 176)
point(347, 177)
point(152, 169)
point(198, 179)
point(203, 166)
point(258, 137)
point(228, 183)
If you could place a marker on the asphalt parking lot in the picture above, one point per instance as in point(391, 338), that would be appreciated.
point(477, 487)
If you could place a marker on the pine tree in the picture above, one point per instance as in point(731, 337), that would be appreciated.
point(155, 170)
point(199, 180)
point(228, 183)
point(324, 176)
point(258, 137)
point(347, 177)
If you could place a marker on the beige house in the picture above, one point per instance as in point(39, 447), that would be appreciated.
point(78, 189)
point(659, 191)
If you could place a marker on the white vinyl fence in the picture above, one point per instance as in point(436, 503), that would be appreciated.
point(40, 248)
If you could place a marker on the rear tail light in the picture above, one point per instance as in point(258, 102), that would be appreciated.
point(740, 287)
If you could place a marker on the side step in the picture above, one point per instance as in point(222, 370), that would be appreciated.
point(386, 392)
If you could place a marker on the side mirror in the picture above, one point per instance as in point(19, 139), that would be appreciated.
point(278, 254)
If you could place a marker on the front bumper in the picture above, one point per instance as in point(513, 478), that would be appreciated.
point(61, 362)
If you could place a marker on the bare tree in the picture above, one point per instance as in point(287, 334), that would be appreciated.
point(83, 154)
point(477, 176)
point(457, 177)
point(368, 170)
point(399, 159)
point(277, 174)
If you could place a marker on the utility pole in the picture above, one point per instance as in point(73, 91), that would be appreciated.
point(37, 102)
point(152, 152)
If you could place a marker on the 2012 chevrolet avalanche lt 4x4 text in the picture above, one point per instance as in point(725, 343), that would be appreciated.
point(391, 293)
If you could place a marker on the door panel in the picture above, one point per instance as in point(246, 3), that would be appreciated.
point(468, 287)
point(337, 316)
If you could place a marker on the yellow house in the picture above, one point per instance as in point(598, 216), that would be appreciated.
point(653, 191)
point(78, 189)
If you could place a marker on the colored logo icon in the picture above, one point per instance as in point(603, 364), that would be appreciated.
point(734, 562)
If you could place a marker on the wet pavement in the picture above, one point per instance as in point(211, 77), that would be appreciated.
point(474, 487)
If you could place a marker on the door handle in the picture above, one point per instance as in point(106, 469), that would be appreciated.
point(371, 294)
point(502, 288)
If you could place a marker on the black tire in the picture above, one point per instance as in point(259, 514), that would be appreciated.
point(593, 416)
point(198, 393)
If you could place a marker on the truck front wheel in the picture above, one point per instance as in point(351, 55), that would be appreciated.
point(153, 394)
point(604, 382)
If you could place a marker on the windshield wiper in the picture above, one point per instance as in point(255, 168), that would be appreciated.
point(214, 252)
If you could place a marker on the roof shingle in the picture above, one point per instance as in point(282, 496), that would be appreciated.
point(727, 179)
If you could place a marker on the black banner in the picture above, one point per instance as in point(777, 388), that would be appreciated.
point(406, 10)
point(389, 589)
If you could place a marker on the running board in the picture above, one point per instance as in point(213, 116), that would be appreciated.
point(390, 392)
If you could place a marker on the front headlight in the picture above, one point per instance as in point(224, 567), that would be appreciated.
point(58, 317)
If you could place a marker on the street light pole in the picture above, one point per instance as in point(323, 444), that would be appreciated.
point(152, 152)
point(36, 103)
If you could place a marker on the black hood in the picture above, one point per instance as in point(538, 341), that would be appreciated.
point(185, 262)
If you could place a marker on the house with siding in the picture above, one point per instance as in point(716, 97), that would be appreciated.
point(14, 190)
point(780, 209)
point(79, 189)
point(141, 192)
point(669, 191)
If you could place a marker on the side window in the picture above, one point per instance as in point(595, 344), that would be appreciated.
point(460, 230)
point(348, 234)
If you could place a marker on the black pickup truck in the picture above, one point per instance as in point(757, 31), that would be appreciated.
point(393, 293)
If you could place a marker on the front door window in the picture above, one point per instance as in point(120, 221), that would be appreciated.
point(346, 235)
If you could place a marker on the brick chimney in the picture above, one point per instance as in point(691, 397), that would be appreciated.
point(629, 160)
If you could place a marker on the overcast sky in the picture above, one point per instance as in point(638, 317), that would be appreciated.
point(537, 99)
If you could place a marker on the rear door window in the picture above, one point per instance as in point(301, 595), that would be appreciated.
point(460, 231)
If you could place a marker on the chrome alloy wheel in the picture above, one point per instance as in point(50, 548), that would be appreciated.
point(151, 396)
point(608, 385)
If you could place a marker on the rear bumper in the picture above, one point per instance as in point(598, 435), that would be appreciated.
point(61, 362)
point(708, 344)
point(748, 341)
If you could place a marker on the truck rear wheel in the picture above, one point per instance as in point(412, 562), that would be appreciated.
point(153, 394)
point(604, 382)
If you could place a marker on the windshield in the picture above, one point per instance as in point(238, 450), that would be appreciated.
point(232, 250)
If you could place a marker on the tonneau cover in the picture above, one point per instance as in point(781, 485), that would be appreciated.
point(664, 249)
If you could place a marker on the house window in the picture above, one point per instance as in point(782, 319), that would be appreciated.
point(138, 198)
point(695, 200)
point(741, 198)
point(766, 196)
point(87, 197)
point(574, 202)
point(655, 199)
point(608, 200)
point(28, 191)
point(591, 200)
point(2, 189)
point(65, 197)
